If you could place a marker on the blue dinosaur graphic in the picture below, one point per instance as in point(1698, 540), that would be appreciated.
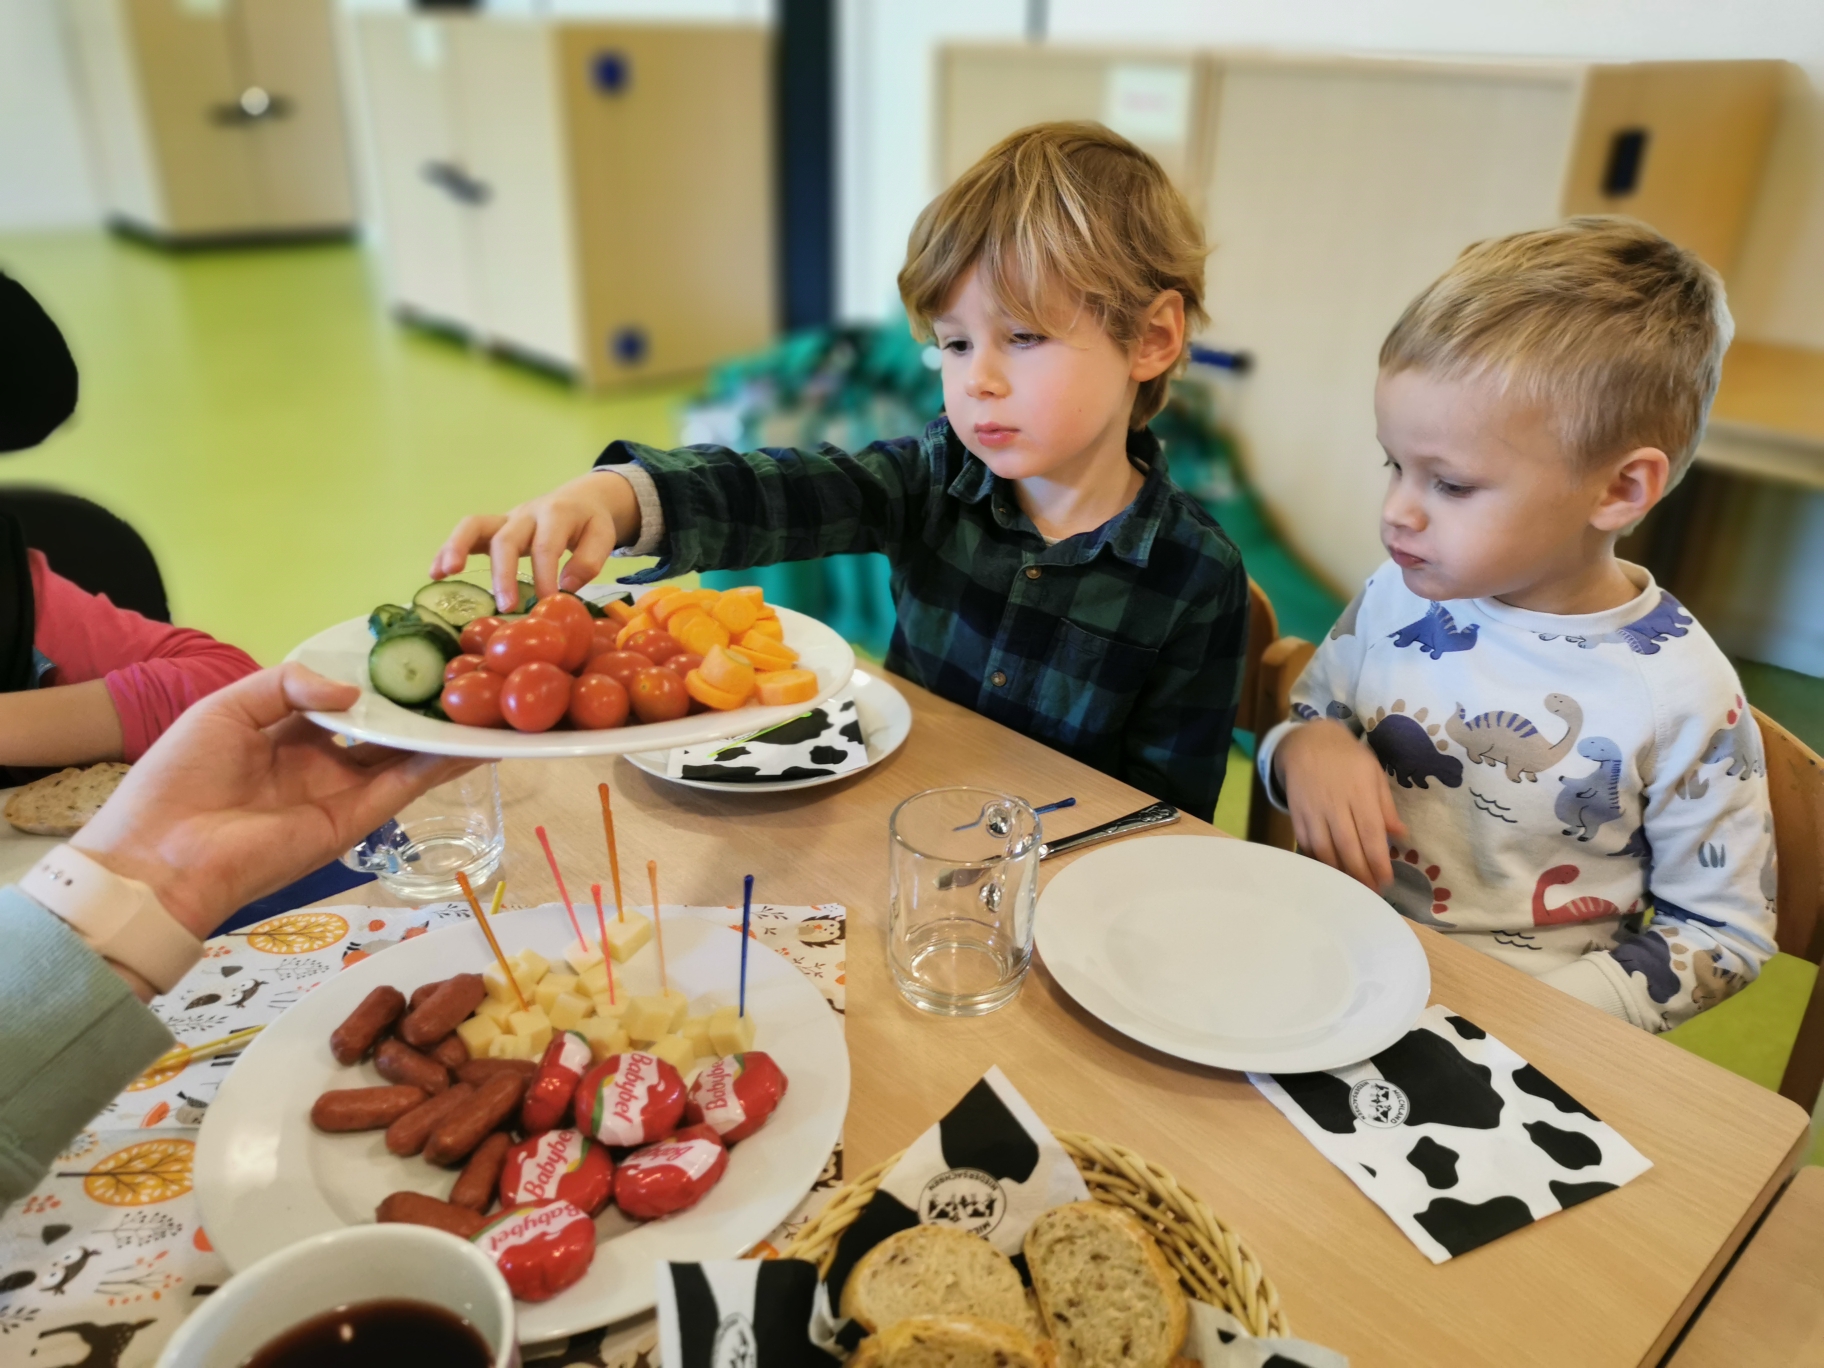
point(1305, 712)
point(1436, 633)
point(1587, 801)
point(1637, 846)
point(1739, 743)
point(1408, 753)
point(1665, 907)
point(1663, 621)
point(1650, 956)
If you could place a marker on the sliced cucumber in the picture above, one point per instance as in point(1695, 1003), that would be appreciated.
point(384, 618)
point(528, 596)
point(457, 602)
point(406, 665)
point(425, 618)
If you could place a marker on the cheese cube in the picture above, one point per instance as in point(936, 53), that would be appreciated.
point(594, 980)
point(696, 1030)
point(508, 1047)
point(550, 986)
point(675, 1050)
point(729, 1033)
point(476, 1033)
point(496, 1010)
point(535, 1028)
point(605, 1038)
point(534, 965)
point(650, 1017)
point(613, 1011)
point(580, 955)
point(568, 1011)
point(628, 934)
point(499, 990)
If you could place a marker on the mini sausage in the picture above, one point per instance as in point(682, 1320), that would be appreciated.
point(407, 1135)
point(360, 1109)
point(450, 1052)
point(479, 1071)
point(398, 1062)
point(475, 1187)
point(414, 1208)
point(357, 1034)
point(444, 1010)
point(421, 992)
point(468, 1125)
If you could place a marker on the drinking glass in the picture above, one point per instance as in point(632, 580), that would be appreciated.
point(455, 827)
point(959, 927)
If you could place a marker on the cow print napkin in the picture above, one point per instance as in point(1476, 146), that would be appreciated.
point(1455, 1136)
point(738, 1313)
point(826, 740)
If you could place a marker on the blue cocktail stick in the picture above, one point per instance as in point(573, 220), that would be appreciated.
point(747, 914)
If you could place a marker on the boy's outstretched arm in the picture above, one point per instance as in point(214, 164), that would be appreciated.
point(588, 517)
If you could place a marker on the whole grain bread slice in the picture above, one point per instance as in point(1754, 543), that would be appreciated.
point(1107, 1297)
point(935, 1270)
point(952, 1342)
point(59, 804)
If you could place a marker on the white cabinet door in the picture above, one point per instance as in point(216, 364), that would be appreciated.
point(287, 50)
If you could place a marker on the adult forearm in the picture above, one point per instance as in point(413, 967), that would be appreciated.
point(66, 724)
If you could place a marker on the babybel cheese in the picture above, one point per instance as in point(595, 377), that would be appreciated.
point(540, 1250)
point(630, 1099)
point(557, 1165)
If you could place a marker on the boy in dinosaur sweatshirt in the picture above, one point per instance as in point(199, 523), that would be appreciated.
point(1520, 739)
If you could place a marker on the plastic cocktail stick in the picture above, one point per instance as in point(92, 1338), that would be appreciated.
point(614, 855)
point(562, 892)
point(658, 931)
point(488, 931)
point(747, 916)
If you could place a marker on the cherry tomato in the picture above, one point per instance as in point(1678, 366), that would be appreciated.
point(463, 664)
point(683, 663)
point(473, 699)
point(621, 666)
point(655, 644)
point(521, 643)
point(569, 613)
point(658, 696)
point(535, 696)
point(475, 635)
point(606, 631)
point(598, 701)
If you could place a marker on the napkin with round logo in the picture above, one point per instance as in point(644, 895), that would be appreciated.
point(1455, 1136)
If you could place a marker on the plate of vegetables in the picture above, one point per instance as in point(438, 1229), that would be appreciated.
point(569, 675)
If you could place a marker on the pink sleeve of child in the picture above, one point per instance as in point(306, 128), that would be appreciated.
point(153, 671)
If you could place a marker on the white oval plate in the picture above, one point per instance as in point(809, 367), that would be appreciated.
point(341, 653)
point(1235, 955)
point(886, 721)
point(265, 1177)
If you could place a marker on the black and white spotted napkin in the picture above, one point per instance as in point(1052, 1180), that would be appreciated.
point(823, 741)
point(1455, 1136)
point(738, 1313)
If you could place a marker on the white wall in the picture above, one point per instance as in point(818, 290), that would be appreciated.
point(44, 168)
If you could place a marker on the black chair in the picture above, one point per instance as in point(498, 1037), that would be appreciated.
point(89, 546)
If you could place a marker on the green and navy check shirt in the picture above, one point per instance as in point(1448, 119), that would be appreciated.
point(1122, 647)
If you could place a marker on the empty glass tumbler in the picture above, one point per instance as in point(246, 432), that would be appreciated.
point(959, 929)
point(455, 827)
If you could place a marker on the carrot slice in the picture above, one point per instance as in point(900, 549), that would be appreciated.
point(698, 631)
point(639, 622)
point(764, 627)
point(783, 686)
point(643, 604)
point(759, 659)
point(663, 610)
point(728, 672)
point(737, 612)
point(620, 611)
point(710, 696)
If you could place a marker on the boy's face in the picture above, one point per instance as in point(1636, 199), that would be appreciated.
point(1482, 499)
point(1031, 404)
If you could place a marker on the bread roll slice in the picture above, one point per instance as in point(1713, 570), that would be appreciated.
point(1107, 1297)
point(59, 804)
point(935, 1270)
point(951, 1342)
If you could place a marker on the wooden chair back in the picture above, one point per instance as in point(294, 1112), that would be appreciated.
point(1795, 784)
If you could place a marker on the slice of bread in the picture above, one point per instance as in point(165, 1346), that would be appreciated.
point(934, 1270)
point(59, 804)
point(1106, 1294)
point(951, 1342)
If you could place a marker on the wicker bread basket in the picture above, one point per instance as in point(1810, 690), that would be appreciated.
point(1212, 1263)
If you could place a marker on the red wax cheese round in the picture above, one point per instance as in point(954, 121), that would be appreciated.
point(670, 1176)
point(540, 1250)
point(547, 1102)
point(559, 1165)
point(735, 1095)
point(630, 1099)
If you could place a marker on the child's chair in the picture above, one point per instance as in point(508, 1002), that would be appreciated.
point(1795, 781)
point(1274, 664)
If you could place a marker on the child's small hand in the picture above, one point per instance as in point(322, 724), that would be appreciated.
point(1342, 808)
point(588, 517)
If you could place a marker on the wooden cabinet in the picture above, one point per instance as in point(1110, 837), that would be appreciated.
point(1333, 190)
point(214, 118)
point(593, 197)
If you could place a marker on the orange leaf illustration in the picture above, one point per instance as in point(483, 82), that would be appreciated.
point(298, 933)
point(139, 1175)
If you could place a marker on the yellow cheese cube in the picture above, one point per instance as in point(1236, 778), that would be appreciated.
point(675, 1050)
point(476, 1033)
point(535, 1028)
point(613, 1011)
point(568, 1011)
point(594, 980)
point(580, 955)
point(508, 1047)
point(605, 1038)
point(729, 1033)
point(534, 965)
point(696, 1030)
point(550, 986)
point(627, 935)
point(648, 1018)
point(498, 988)
point(497, 1010)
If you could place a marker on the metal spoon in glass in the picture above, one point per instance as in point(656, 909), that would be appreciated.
point(998, 826)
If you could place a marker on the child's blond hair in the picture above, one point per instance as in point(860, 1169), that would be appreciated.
point(1618, 331)
point(1056, 217)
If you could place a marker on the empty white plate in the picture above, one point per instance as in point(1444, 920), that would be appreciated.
point(1235, 955)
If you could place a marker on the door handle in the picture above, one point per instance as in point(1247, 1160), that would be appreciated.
point(458, 184)
point(255, 105)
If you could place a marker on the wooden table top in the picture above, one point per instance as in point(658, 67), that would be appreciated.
point(1610, 1282)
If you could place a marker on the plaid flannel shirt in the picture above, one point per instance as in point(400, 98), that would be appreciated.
point(1122, 647)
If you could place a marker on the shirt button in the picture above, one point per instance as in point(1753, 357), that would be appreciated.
point(1033, 572)
point(998, 678)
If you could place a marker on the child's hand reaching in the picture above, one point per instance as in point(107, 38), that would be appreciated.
point(1342, 808)
point(588, 517)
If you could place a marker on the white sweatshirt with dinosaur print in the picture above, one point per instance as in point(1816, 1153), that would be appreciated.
point(1559, 777)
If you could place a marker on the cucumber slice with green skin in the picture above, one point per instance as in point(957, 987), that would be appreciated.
point(406, 665)
point(457, 602)
point(425, 618)
point(528, 596)
point(384, 618)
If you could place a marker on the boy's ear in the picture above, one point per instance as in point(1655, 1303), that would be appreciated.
point(1635, 484)
point(1161, 338)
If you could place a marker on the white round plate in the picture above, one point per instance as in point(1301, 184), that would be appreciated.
point(886, 720)
point(341, 653)
point(1231, 954)
point(266, 1178)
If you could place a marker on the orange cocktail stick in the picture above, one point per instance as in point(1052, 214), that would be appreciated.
point(658, 931)
point(614, 856)
point(488, 931)
point(601, 921)
point(562, 892)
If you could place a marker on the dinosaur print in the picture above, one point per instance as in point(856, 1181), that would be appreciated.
point(1739, 743)
point(1436, 633)
point(1770, 868)
point(1665, 620)
point(1714, 983)
point(1416, 892)
point(1408, 749)
point(1345, 625)
point(1650, 956)
point(1692, 787)
point(1637, 847)
point(1587, 801)
point(1506, 740)
point(1577, 909)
